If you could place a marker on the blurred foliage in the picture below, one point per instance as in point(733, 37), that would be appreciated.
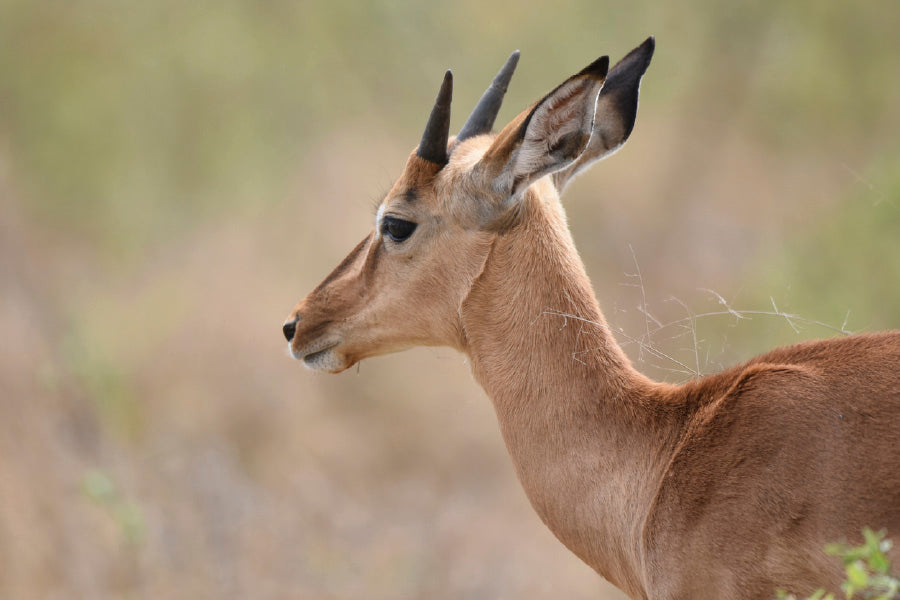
point(127, 515)
point(867, 567)
point(129, 120)
point(848, 259)
point(175, 176)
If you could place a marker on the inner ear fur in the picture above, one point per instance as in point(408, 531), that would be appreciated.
point(548, 136)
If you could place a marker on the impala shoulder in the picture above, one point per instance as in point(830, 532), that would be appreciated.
point(731, 411)
point(751, 402)
point(772, 380)
point(739, 418)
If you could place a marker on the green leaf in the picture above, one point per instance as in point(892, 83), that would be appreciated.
point(879, 563)
point(873, 538)
point(856, 575)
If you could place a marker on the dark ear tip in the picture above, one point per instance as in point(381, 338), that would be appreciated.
point(603, 65)
point(633, 65)
point(644, 52)
point(598, 68)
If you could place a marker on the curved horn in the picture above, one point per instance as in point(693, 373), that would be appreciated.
point(433, 146)
point(482, 118)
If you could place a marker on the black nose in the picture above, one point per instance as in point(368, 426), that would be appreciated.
point(289, 329)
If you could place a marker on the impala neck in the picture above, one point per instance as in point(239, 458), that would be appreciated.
point(587, 435)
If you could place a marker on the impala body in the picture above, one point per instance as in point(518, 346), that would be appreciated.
point(727, 486)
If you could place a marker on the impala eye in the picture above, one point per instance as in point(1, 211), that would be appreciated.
point(397, 229)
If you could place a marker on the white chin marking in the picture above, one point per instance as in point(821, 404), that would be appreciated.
point(322, 360)
point(326, 360)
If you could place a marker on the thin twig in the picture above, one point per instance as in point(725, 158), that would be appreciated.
point(786, 316)
point(645, 346)
point(693, 324)
point(723, 302)
point(643, 306)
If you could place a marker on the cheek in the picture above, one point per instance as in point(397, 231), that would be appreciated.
point(455, 269)
point(418, 281)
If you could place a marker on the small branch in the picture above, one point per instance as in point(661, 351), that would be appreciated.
point(786, 316)
point(641, 344)
point(693, 327)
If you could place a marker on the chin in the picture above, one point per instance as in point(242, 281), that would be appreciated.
point(323, 361)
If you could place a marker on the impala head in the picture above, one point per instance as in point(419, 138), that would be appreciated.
point(405, 283)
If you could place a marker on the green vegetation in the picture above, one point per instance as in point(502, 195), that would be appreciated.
point(868, 570)
point(126, 515)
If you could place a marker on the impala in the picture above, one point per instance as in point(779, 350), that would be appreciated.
point(727, 486)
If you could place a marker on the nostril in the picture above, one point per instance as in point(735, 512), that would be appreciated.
point(289, 329)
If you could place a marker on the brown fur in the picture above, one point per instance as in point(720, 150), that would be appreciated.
point(725, 487)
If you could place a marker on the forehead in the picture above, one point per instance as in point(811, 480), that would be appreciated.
point(422, 181)
point(414, 183)
point(466, 154)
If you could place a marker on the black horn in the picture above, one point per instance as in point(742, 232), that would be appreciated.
point(482, 118)
point(433, 146)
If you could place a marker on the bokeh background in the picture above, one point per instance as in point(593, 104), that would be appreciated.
point(175, 176)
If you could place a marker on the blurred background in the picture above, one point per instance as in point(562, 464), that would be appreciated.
point(175, 176)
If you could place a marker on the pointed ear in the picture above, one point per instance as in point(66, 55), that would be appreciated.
point(616, 111)
point(547, 137)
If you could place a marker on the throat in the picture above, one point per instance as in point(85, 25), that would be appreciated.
point(532, 324)
point(572, 410)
